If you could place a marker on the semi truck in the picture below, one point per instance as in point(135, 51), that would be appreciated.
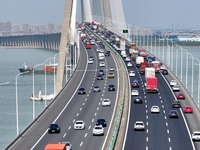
point(55, 147)
point(143, 65)
point(83, 36)
point(139, 59)
point(151, 84)
point(149, 72)
point(156, 65)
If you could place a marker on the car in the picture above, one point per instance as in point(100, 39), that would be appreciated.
point(129, 64)
point(101, 51)
point(111, 87)
point(123, 55)
point(127, 59)
point(138, 99)
point(98, 130)
point(99, 77)
point(102, 46)
point(176, 88)
point(132, 73)
point(79, 125)
point(162, 67)
point(68, 145)
point(81, 90)
point(135, 93)
point(96, 88)
point(111, 68)
point(173, 82)
point(98, 49)
point(173, 114)
point(139, 125)
point(188, 109)
point(54, 128)
point(176, 104)
point(106, 102)
point(102, 122)
point(155, 109)
point(111, 75)
point(180, 96)
point(90, 61)
point(107, 53)
point(135, 83)
point(91, 57)
point(164, 72)
point(102, 64)
point(196, 136)
point(101, 72)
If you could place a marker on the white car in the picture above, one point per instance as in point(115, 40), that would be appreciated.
point(101, 51)
point(124, 55)
point(176, 88)
point(98, 49)
point(155, 109)
point(139, 125)
point(173, 82)
point(79, 125)
point(132, 73)
point(129, 64)
point(105, 102)
point(102, 64)
point(90, 61)
point(162, 67)
point(111, 68)
point(135, 92)
point(127, 59)
point(98, 130)
point(196, 136)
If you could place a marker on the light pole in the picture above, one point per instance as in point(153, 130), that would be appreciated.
point(186, 67)
point(198, 81)
point(34, 89)
point(17, 114)
point(192, 73)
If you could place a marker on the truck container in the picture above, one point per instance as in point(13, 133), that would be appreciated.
point(88, 45)
point(122, 45)
point(156, 65)
point(143, 65)
point(149, 72)
point(151, 84)
point(101, 56)
point(55, 147)
point(139, 59)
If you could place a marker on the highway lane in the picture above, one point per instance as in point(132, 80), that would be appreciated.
point(85, 107)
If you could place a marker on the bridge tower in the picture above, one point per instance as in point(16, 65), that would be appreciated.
point(86, 11)
point(107, 12)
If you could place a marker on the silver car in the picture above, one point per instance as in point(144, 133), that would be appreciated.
point(68, 145)
point(96, 88)
point(112, 68)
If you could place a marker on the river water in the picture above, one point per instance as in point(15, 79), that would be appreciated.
point(12, 59)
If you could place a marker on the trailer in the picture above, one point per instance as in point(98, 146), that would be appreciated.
point(55, 147)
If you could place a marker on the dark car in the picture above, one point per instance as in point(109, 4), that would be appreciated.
point(91, 57)
point(176, 104)
point(96, 88)
point(101, 122)
point(107, 53)
point(99, 77)
point(102, 46)
point(54, 128)
point(101, 72)
point(135, 83)
point(137, 99)
point(173, 114)
point(111, 87)
point(164, 72)
point(81, 90)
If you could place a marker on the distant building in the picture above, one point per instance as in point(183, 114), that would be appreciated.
point(59, 28)
point(5, 26)
point(33, 28)
point(42, 29)
point(16, 28)
point(51, 28)
point(25, 28)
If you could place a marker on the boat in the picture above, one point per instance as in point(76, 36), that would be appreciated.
point(189, 38)
point(24, 68)
point(40, 97)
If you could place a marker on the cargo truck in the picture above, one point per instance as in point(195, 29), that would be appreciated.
point(88, 45)
point(149, 72)
point(83, 36)
point(143, 53)
point(143, 65)
point(156, 65)
point(139, 59)
point(150, 60)
point(55, 147)
point(151, 84)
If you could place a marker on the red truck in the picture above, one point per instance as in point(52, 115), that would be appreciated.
point(156, 65)
point(55, 147)
point(88, 45)
point(143, 65)
point(151, 84)
point(143, 53)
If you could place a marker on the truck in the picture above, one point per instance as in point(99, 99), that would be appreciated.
point(101, 56)
point(117, 41)
point(143, 53)
point(143, 65)
point(55, 147)
point(123, 53)
point(150, 60)
point(122, 45)
point(83, 36)
point(88, 45)
point(149, 72)
point(156, 65)
point(139, 59)
point(151, 84)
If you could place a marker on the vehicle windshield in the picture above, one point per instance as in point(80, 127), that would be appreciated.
point(79, 122)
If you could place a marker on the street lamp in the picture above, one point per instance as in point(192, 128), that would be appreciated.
point(34, 89)
point(17, 114)
point(192, 73)
point(186, 67)
point(198, 81)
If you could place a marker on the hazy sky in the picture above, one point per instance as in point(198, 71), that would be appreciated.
point(144, 13)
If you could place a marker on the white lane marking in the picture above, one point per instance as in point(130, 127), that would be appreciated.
point(102, 95)
point(161, 101)
point(147, 131)
point(89, 127)
point(147, 139)
point(77, 114)
point(162, 106)
point(74, 120)
point(83, 103)
point(166, 124)
point(100, 103)
point(90, 87)
point(86, 99)
point(168, 131)
point(146, 111)
point(164, 111)
point(95, 114)
point(146, 117)
point(81, 108)
point(81, 144)
point(146, 147)
point(165, 117)
point(69, 128)
point(97, 108)
point(88, 94)
point(92, 120)
point(85, 134)
point(169, 140)
point(147, 123)
point(64, 135)
point(146, 106)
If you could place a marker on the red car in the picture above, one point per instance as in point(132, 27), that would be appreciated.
point(188, 109)
point(180, 96)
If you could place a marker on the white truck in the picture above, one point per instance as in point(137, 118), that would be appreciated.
point(101, 56)
point(122, 45)
point(138, 60)
point(149, 72)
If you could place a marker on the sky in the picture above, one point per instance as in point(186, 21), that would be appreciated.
point(156, 14)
